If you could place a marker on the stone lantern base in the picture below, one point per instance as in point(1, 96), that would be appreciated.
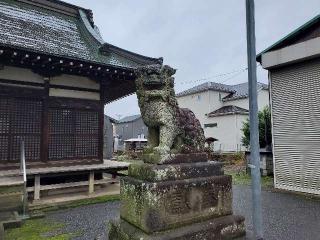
point(185, 200)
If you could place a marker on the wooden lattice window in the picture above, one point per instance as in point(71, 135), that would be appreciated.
point(4, 128)
point(73, 134)
point(20, 119)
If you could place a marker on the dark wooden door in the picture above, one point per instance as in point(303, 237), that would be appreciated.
point(73, 131)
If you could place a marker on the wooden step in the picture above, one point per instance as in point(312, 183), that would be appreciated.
point(10, 173)
point(11, 181)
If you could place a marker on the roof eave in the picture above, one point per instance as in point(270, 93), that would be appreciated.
point(228, 113)
point(27, 50)
point(107, 47)
point(289, 36)
point(233, 98)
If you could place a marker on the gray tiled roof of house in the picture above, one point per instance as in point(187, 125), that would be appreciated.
point(33, 27)
point(205, 87)
point(236, 91)
point(129, 118)
point(228, 110)
point(242, 91)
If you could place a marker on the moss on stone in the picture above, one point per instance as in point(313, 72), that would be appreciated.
point(141, 171)
point(156, 206)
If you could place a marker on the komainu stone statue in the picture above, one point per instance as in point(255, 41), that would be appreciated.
point(171, 129)
point(176, 193)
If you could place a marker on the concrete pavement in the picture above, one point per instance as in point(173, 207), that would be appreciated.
point(286, 216)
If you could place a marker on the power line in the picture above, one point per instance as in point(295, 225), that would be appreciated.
point(214, 76)
point(233, 76)
point(234, 73)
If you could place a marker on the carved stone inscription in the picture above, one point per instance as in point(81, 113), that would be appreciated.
point(184, 201)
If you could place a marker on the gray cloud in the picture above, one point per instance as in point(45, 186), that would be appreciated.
point(200, 38)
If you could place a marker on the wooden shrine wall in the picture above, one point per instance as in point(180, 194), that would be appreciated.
point(53, 128)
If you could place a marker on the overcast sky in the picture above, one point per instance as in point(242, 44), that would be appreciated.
point(202, 39)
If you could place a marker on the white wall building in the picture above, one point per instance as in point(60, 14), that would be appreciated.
point(222, 109)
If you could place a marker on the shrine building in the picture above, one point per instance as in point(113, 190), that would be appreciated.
point(56, 75)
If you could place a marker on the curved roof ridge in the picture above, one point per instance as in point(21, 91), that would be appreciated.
point(106, 47)
point(96, 35)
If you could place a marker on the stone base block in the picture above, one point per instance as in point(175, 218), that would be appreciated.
point(174, 172)
point(222, 228)
point(159, 206)
point(174, 158)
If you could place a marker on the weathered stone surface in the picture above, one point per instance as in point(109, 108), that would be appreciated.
point(222, 228)
point(171, 129)
point(156, 173)
point(174, 158)
point(177, 201)
point(159, 206)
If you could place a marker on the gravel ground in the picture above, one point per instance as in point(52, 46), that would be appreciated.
point(286, 216)
point(88, 222)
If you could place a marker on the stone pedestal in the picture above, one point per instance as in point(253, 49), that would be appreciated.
point(178, 200)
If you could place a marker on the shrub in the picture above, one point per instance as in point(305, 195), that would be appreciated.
point(265, 136)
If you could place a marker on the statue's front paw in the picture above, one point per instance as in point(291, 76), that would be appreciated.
point(161, 150)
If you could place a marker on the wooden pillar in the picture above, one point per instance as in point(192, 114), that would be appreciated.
point(37, 187)
point(44, 150)
point(101, 119)
point(91, 182)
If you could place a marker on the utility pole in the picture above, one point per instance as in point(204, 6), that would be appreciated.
point(254, 123)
